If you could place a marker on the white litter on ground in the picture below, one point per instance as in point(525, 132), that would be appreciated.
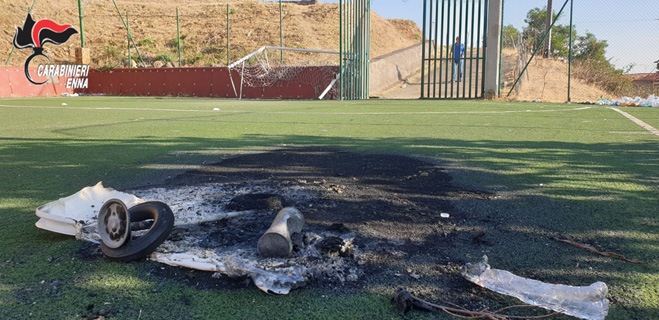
point(652, 101)
point(68, 215)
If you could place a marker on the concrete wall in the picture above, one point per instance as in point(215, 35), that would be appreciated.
point(391, 69)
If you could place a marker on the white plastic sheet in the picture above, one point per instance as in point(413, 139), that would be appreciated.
point(68, 215)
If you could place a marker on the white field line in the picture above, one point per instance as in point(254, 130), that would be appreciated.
point(638, 121)
point(293, 112)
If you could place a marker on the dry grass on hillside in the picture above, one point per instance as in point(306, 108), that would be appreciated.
point(545, 80)
point(203, 27)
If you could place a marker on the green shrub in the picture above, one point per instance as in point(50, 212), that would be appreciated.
point(109, 66)
point(214, 50)
point(175, 42)
point(146, 42)
point(112, 51)
point(608, 78)
point(193, 59)
point(164, 57)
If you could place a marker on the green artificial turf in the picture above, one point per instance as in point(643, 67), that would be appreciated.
point(594, 173)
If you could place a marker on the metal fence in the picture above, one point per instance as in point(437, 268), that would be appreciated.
point(615, 49)
point(354, 47)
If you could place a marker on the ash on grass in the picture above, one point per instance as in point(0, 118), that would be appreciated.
point(373, 223)
point(367, 215)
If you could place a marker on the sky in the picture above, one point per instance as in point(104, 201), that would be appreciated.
point(630, 27)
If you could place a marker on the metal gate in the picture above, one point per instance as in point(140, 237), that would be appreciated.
point(448, 69)
point(354, 47)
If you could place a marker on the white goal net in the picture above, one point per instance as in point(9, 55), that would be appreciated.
point(271, 66)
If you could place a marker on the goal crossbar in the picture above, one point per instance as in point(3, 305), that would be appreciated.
point(278, 48)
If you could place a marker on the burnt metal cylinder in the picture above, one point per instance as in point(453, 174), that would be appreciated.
point(276, 242)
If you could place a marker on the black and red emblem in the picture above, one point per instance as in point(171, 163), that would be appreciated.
point(35, 34)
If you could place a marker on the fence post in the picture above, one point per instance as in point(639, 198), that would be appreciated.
point(281, 36)
point(130, 60)
point(341, 50)
point(129, 35)
point(367, 63)
point(503, 6)
point(423, 48)
point(178, 38)
point(550, 16)
point(228, 40)
point(82, 30)
point(569, 58)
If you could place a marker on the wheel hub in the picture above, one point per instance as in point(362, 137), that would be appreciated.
point(114, 223)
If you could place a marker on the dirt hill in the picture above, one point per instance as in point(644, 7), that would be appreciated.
point(545, 80)
point(203, 28)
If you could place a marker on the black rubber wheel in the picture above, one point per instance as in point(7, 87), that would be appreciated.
point(139, 247)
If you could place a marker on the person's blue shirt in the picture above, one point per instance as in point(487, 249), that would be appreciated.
point(458, 52)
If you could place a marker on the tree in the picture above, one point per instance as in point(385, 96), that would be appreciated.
point(560, 40)
point(589, 48)
point(536, 20)
point(536, 29)
point(510, 35)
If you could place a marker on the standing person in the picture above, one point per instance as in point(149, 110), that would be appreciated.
point(458, 51)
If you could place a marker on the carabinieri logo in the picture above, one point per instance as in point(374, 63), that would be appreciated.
point(34, 35)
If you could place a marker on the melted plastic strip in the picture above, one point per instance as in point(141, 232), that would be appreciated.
point(234, 267)
point(587, 302)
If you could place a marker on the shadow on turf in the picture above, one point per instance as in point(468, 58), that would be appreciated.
point(517, 227)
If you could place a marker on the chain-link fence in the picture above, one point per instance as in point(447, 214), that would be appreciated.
point(615, 49)
point(209, 33)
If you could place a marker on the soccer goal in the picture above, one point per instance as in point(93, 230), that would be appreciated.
point(269, 66)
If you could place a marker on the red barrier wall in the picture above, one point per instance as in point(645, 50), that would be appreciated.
point(208, 82)
point(13, 83)
point(302, 83)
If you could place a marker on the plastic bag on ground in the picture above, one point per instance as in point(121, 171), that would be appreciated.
point(652, 102)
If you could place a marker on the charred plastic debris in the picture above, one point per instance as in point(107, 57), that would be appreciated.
point(277, 256)
point(241, 238)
